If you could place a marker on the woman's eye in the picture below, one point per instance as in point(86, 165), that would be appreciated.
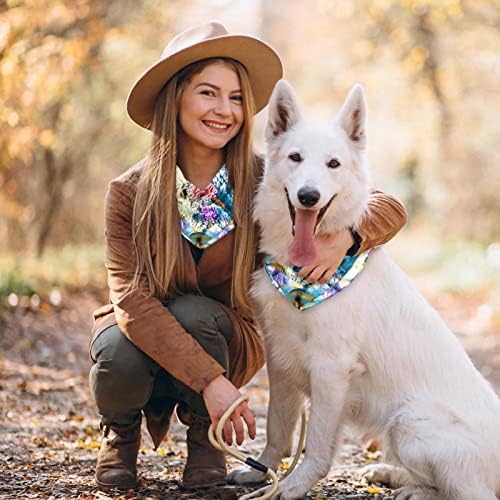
point(295, 157)
point(333, 163)
point(237, 98)
point(207, 92)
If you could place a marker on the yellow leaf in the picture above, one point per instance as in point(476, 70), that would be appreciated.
point(88, 444)
point(373, 490)
point(46, 138)
point(373, 455)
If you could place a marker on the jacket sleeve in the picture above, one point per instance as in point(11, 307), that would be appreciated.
point(383, 219)
point(144, 320)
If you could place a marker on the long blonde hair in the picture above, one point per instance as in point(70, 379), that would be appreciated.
point(160, 252)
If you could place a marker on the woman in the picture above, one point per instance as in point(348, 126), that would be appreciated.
point(180, 248)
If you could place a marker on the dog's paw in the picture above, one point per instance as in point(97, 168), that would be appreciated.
point(246, 475)
point(415, 493)
point(290, 491)
point(377, 473)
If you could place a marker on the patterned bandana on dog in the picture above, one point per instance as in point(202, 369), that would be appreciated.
point(303, 294)
point(206, 214)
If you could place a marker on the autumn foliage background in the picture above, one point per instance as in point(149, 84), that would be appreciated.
point(430, 69)
point(431, 74)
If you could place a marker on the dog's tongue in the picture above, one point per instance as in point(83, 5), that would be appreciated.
point(302, 250)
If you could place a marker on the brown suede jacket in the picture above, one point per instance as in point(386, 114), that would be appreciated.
point(149, 325)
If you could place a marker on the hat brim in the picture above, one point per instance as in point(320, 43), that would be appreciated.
point(262, 63)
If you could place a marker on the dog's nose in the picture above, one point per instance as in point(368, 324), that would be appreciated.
point(308, 197)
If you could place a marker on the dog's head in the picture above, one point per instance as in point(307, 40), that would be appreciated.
point(321, 169)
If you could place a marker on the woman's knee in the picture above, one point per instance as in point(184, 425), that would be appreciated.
point(201, 316)
point(122, 377)
point(207, 322)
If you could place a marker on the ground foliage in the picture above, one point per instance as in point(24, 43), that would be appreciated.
point(50, 433)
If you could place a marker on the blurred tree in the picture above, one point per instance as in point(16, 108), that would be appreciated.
point(47, 49)
point(439, 44)
point(61, 77)
point(413, 27)
point(429, 67)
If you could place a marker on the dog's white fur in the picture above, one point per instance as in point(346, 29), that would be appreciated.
point(376, 355)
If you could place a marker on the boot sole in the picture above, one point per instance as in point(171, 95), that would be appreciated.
point(107, 486)
point(209, 484)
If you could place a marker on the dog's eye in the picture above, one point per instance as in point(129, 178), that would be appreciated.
point(295, 157)
point(333, 163)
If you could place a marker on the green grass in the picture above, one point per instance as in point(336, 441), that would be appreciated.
point(74, 267)
point(12, 281)
point(468, 269)
point(458, 266)
point(461, 267)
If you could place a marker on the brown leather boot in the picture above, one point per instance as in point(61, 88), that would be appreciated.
point(205, 466)
point(117, 459)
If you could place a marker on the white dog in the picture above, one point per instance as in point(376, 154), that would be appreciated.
point(376, 355)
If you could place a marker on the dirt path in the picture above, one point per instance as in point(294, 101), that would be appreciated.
point(49, 428)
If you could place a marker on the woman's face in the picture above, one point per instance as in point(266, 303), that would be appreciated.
point(211, 108)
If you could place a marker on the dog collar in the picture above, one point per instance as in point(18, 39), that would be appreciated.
point(206, 215)
point(303, 294)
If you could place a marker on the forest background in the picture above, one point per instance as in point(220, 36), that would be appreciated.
point(430, 69)
point(431, 73)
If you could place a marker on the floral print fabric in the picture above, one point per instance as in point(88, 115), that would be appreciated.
point(303, 294)
point(206, 214)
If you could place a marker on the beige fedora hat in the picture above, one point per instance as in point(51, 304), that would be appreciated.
point(208, 40)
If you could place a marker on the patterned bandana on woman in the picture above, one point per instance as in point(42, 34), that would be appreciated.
point(206, 214)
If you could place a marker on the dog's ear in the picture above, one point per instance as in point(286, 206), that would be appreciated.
point(352, 116)
point(284, 111)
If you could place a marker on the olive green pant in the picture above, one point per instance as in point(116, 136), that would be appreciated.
point(123, 378)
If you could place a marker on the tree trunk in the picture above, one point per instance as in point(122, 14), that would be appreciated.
point(55, 180)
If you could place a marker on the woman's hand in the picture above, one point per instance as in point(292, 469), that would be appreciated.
point(331, 250)
point(218, 396)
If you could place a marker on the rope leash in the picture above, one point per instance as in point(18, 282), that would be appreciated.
point(218, 442)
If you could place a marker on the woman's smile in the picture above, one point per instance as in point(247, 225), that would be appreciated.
point(217, 127)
